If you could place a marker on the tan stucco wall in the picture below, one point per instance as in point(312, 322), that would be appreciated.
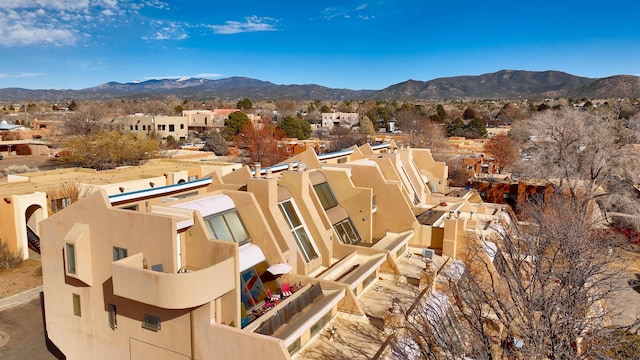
point(138, 233)
point(393, 212)
point(355, 200)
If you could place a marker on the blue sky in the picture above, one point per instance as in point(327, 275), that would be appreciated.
point(75, 44)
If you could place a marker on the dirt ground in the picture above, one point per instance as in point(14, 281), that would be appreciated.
point(39, 161)
point(27, 275)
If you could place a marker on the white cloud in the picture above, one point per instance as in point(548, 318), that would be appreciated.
point(21, 75)
point(16, 33)
point(69, 5)
point(251, 24)
point(167, 31)
point(339, 12)
point(60, 22)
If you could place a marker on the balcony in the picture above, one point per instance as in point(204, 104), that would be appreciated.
point(171, 291)
point(289, 319)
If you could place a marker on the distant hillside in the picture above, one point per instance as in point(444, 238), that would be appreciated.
point(619, 86)
point(505, 84)
point(204, 89)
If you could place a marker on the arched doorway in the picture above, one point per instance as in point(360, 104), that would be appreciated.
point(33, 215)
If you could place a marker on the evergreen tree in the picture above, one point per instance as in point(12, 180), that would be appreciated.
point(234, 124)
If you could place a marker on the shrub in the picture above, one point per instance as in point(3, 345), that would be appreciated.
point(8, 259)
point(23, 149)
point(19, 169)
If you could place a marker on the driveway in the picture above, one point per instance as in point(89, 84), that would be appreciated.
point(23, 326)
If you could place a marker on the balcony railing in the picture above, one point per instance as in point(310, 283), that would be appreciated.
point(284, 314)
point(171, 291)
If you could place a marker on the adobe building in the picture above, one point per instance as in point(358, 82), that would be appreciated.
point(283, 262)
point(29, 198)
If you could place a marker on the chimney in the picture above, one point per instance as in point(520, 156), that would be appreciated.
point(257, 170)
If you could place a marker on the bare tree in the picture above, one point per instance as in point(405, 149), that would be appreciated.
point(343, 138)
point(87, 119)
point(540, 290)
point(579, 150)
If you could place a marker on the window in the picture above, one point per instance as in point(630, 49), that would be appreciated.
point(130, 207)
point(76, 305)
point(371, 278)
point(136, 127)
point(298, 229)
point(59, 204)
point(319, 325)
point(172, 128)
point(254, 284)
point(71, 258)
point(294, 347)
point(416, 198)
point(227, 226)
point(328, 200)
point(131, 127)
point(181, 126)
point(192, 178)
point(113, 321)
point(144, 127)
point(119, 253)
point(347, 232)
point(151, 322)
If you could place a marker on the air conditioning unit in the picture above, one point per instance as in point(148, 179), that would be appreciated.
point(428, 253)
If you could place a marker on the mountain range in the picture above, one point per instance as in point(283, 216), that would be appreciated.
point(504, 84)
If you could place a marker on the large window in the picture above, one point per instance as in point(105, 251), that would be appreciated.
point(71, 258)
point(328, 200)
point(347, 232)
point(255, 283)
point(227, 226)
point(298, 229)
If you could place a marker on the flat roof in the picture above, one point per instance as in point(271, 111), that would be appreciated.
point(357, 337)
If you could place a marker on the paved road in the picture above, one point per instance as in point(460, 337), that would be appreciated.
point(23, 325)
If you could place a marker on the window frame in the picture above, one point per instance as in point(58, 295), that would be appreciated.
point(354, 231)
point(226, 218)
point(325, 195)
point(151, 322)
point(113, 319)
point(296, 229)
point(60, 203)
point(77, 305)
point(119, 253)
point(70, 252)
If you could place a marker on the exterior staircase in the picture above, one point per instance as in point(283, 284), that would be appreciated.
point(34, 240)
